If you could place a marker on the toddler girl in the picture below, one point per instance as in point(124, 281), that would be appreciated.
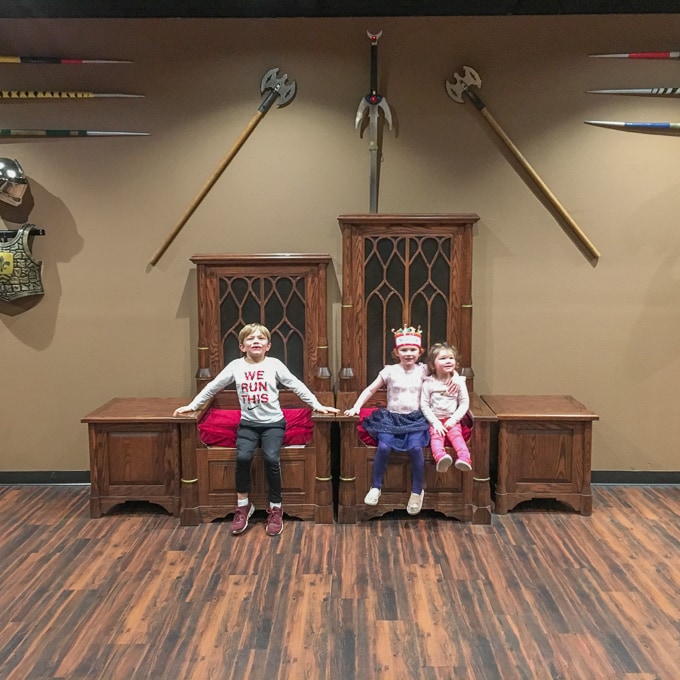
point(444, 400)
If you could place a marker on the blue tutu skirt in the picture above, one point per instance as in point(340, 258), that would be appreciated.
point(400, 431)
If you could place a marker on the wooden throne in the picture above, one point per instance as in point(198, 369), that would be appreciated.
point(287, 293)
point(414, 269)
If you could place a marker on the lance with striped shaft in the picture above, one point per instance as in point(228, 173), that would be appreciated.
point(58, 60)
point(644, 91)
point(60, 94)
point(12, 132)
point(639, 127)
point(638, 55)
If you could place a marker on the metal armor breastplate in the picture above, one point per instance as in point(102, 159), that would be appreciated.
point(19, 272)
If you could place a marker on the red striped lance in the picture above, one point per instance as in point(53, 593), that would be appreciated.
point(639, 55)
point(60, 94)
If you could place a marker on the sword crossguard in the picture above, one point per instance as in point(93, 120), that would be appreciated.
point(277, 86)
point(462, 84)
point(377, 101)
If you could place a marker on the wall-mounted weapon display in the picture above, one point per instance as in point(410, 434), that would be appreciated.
point(373, 103)
point(642, 91)
point(61, 94)
point(461, 87)
point(11, 233)
point(638, 55)
point(14, 132)
point(275, 88)
point(58, 60)
point(635, 126)
point(20, 272)
point(13, 182)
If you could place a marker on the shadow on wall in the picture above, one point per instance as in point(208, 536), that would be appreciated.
point(60, 243)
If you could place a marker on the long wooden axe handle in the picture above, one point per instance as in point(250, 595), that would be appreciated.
point(206, 187)
point(461, 87)
point(279, 90)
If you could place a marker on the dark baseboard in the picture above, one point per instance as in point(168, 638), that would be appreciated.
point(46, 477)
point(597, 477)
point(635, 477)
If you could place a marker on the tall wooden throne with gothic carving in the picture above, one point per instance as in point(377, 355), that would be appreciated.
point(287, 293)
point(414, 269)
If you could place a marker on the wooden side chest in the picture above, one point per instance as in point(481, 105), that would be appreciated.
point(544, 450)
point(136, 451)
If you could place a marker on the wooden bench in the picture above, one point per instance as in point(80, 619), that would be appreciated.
point(465, 496)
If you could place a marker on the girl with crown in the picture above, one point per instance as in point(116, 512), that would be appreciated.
point(401, 426)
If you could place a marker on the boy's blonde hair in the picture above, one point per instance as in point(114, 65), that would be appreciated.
point(251, 328)
point(434, 353)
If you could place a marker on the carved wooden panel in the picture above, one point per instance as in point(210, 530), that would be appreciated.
point(397, 269)
point(286, 293)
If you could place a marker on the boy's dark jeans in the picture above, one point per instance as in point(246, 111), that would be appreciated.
point(269, 437)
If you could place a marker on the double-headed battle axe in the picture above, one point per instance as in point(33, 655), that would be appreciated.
point(276, 88)
point(462, 86)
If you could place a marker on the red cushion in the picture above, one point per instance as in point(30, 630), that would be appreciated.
point(219, 426)
point(363, 435)
point(299, 426)
point(466, 425)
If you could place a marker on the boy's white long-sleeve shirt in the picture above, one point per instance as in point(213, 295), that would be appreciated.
point(257, 388)
point(437, 404)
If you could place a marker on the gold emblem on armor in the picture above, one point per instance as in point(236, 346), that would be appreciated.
point(6, 264)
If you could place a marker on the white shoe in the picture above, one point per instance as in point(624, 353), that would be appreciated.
point(463, 464)
point(373, 496)
point(444, 463)
point(415, 503)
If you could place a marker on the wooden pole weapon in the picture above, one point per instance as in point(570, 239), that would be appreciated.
point(462, 85)
point(276, 88)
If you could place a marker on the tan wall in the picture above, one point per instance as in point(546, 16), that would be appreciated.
point(545, 319)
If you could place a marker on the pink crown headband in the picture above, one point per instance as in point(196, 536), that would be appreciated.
point(408, 335)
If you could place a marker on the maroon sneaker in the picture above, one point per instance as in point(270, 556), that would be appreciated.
point(241, 516)
point(274, 521)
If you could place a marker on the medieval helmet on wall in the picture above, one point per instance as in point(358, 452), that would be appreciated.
point(13, 182)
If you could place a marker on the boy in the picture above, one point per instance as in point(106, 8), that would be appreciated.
point(262, 422)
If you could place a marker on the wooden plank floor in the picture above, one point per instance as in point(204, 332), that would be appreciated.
point(538, 594)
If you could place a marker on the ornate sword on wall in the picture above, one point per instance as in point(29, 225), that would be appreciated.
point(462, 87)
point(373, 102)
